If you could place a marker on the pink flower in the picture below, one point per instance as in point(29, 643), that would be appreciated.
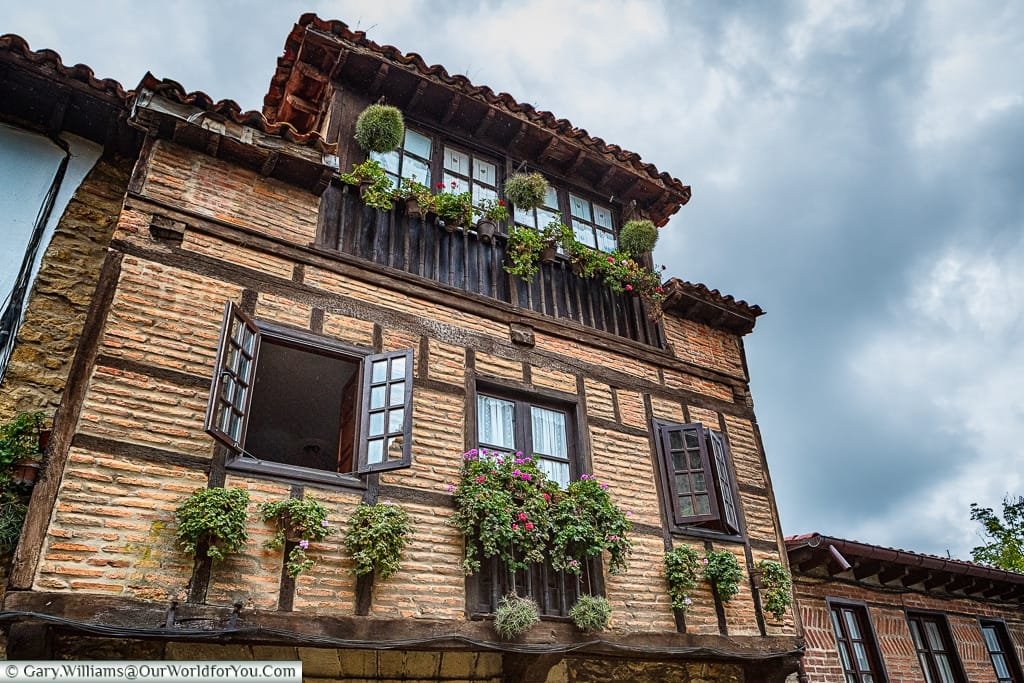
point(604, 487)
point(522, 516)
point(303, 544)
point(481, 479)
point(454, 184)
point(515, 527)
point(451, 487)
point(629, 288)
point(547, 497)
point(526, 476)
point(529, 526)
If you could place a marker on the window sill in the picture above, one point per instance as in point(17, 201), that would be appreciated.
point(706, 533)
point(294, 474)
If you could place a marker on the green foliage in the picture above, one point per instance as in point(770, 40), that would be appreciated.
point(216, 516)
point(682, 565)
point(585, 522)
point(12, 516)
point(376, 537)
point(418, 191)
point(494, 209)
point(298, 519)
point(454, 208)
point(523, 252)
point(380, 128)
point(1004, 546)
point(723, 571)
point(515, 616)
point(507, 508)
point(591, 613)
point(380, 192)
point(638, 237)
point(526, 190)
point(776, 587)
point(19, 439)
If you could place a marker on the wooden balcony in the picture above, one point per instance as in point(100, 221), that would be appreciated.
point(463, 261)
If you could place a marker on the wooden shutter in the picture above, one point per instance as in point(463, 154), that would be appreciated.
point(684, 458)
point(385, 434)
point(720, 452)
point(231, 389)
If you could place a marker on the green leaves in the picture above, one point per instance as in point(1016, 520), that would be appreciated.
point(682, 565)
point(722, 569)
point(376, 536)
point(776, 587)
point(585, 523)
point(298, 519)
point(515, 616)
point(379, 193)
point(638, 237)
point(380, 128)
point(19, 439)
point(591, 613)
point(216, 516)
point(1005, 537)
point(526, 190)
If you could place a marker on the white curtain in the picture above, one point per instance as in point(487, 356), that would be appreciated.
point(497, 422)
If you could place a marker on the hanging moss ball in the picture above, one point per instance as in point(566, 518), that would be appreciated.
point(526, 190)
point(638, 237)
point(380, 128)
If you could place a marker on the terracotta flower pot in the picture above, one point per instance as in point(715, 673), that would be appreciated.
point(25, 472)
point(450, 226)
point(486, 228)
point(412, 208)
point(548, 253)
point(364, 186)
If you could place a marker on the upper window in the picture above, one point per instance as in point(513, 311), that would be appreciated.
point(695, 464)
point(539, 218)
point(935, 651)
point(592, 223)
point(856, 644)
point(412, 160)
point(509, 425)
point(465, 172)
point(1001, 651)
point(290, 403)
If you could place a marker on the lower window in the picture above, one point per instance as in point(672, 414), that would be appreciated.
point(935, 650)
point(1001, 651)
point(555, 592)
point(855, 641)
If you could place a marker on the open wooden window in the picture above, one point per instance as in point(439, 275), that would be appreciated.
point(291, 403)
point(695, 467)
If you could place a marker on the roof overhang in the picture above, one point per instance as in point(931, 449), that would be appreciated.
point(699, 303)
point(318, 53)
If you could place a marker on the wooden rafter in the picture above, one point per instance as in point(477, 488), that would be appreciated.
point(485, 124)
point(378, 81)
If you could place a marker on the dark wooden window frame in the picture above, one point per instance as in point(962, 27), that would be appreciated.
point(869, 636)
point(591, 223)
point(1009, 650)
point(309, 342)
point(439, 170)
point(721, 485)
point(956, 665)
point(578, 461)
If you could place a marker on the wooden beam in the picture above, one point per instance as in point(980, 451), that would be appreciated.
point(57, 113)
point(378, 81)
point(891, 573)
point(959, 583)
point(453, 108)
point(488, 119)
point(606, 179)
point(339, 63)
point(414, 100)
point(577, 161)
point(816, 560)
point(303, 105)
point(863, 570)
point(937, 580)
point(311, 72)
point(915, 577)
point(270, 163)
point(518, 137)
point(548, 149)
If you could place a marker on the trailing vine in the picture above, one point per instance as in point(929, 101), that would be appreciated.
point(376, 536)
point(722, 569)
point(215, 516)
point(776, 587)
point(298, 519)
point(682, 569)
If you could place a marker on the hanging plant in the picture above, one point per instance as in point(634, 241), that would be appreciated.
point(523, 252)
point(515, 616)
point(376, 536)
point(215, 516)
point(776, 587)
point(454, 208)
point(638, 237)
point(585, 523)
point(299, 520)
point(723, 571)
point(591, 613)
point(682, 567)
point(526, 190)
point(375, 187)
point(380, 128)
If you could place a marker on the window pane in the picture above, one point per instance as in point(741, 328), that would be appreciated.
point(698, 482)
point(691, 438)
point(545, 216)
point(396, 419)
point(485, 172)
point(916, 633)
point(695, 463)
point(456, 161)
point(836, 626)
point(924, 667)
point(851, 623)
point(551, 198)
point(417, 170)
point(685, 506)
point(555, 470)
point(603, 217)
point(1002, 671)
point(845, 655)
point(377, 397)
point(945, 672)
point(549, 432)
point(480, 193)
point(417, 144)
point(397, 396)
point(525, 217)
point(376, 424)
point(579, 207)
point(702, 504)
point(605, 241)
point(496, 419)
point(375, 451)
point(398, 368)
point(862, 657)
point(934, 637)
point(683, 483)
point(380, 371)
point(584, 234)
point(389, 161)
point(675, 440)
point(991, 642)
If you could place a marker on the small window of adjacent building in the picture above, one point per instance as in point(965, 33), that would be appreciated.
point(1001, 651)
point(466, 172)
point(592, 223)
point(290, 403)
point(855, 641)
point(935, 651)
point(698, 484)
point(411, 160)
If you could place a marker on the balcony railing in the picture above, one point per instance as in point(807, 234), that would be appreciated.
point(462, 260)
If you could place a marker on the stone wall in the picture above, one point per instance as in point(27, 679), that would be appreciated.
point(887, 610)
point(62, 292)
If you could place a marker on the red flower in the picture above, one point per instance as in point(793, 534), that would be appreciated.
point(629, 288)
point(547, 497)
point(611, 259)
point(501, 202)
point(529, 526)
point(481, 479)
point(440, 186)
point(660, 290)
point(522, 516)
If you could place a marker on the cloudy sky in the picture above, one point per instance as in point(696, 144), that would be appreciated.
point(857, 170)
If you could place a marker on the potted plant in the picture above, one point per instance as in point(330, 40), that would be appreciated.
point(376, 536)
point(515, 616)
point(380, 128)
point(722, 570)
point(216, 517)
point(375, 187)
point(526, 190)
point(454, 209)
point(493, 211)
point(585, 523)
point(12, 517)
point(418, 199)
point(638, 237)
point(591, 613)
point(682, 565)
point(299, 521)
point(22, 441)
point(776, 587)
point(523, 252)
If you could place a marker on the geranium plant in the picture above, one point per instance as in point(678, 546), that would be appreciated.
point(375, 186)
point(376, 536)
point(454, 208)
point(410, 188)
point(776, 587)
point(300, 520)
point(494, 210)
point(682, 570)
point(523, 252)
point(722, 569)
point(214, 516)
point(508, 509)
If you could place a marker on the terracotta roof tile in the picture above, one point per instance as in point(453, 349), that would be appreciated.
point(18, 47)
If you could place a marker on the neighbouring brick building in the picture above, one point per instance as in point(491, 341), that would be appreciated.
point(233, 230)
point(872, 614)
